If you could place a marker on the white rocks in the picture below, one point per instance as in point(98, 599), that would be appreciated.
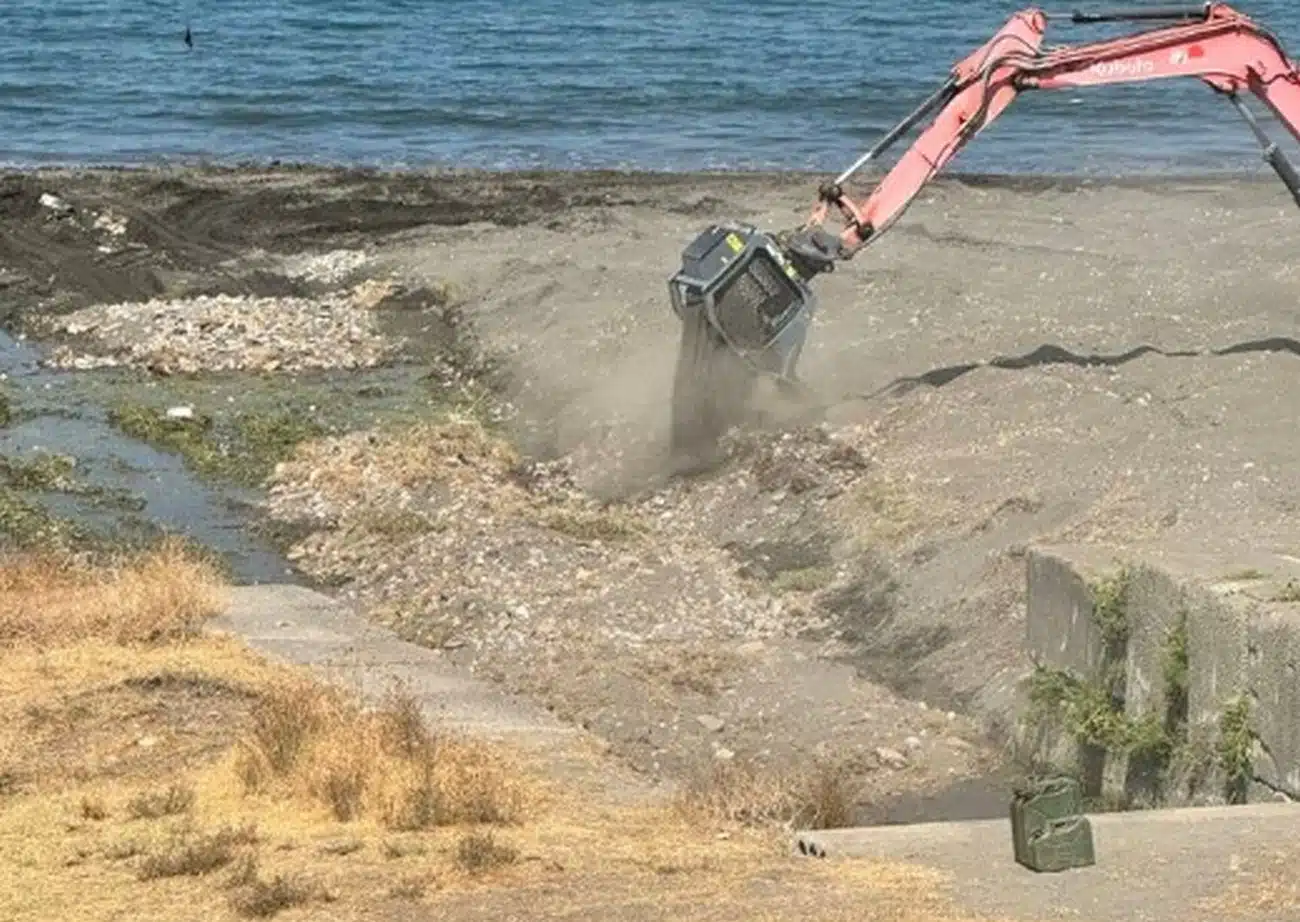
point(711, 723)
point(327, 268)
point(110, 224)
point(228, 333)
point(891, 758)
point(180, 412)
point(54, 203)
point(64, 357)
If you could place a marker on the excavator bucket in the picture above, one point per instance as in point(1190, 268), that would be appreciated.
point(745, 312)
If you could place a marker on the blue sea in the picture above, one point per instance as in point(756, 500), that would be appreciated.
point(654, 84)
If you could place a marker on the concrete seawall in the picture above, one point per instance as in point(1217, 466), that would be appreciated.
point(1163, 679)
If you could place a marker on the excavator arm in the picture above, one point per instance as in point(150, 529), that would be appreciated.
point(1213, 42)
point(744, 296)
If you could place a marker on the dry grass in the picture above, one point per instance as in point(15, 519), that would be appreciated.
point(456, 451)
point(1289, 592)
point(148, 769)
point(371, 293)
point(52, 599)
point(457, 457)
point(93, 808)
point(587, 525)
point(193, 853)
point(806, 579)
point(823, 797)
point(255, 897)
point(1246, 574)
point(700, 669)
point(399, 524)
point(477, 852)
point(152, 805)
point(409, 888)
point(316, 744)
point(882, 510)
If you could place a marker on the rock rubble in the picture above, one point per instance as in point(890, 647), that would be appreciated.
point(637, 619)
point(226, 333)
point(505, 556)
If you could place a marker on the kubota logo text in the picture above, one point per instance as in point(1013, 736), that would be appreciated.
point(1127, 68)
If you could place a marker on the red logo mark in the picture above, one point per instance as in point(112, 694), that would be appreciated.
point(1195, 51)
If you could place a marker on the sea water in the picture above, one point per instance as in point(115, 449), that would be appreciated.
point(655, 84)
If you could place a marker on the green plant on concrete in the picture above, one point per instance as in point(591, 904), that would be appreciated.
point(1110, 607)
point(1162, 749)
point(1176, 669)
point(1050, 691)
point(1148, 739)
point(1234, 748)
point(1094, 719)
point(1194, 761)
point(1110, 599)
point(1085, 710)
point(1158, 750)
point(1093, 711)
point(6, 409)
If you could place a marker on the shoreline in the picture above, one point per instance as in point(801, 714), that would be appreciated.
point(1026, 181)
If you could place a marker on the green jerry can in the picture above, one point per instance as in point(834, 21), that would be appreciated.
point(1048, 830)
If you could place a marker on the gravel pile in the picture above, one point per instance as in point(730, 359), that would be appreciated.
point(687, 626)
point(444, 531)
point(227, 333)
point(329, 268)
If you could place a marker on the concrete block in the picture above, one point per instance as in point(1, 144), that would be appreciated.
point(1156, 605)
point(1163, 591)
point(1060, 628)
point(1273, 659)
point(1062, 633)
point(1238, 640)
point(1217, 647)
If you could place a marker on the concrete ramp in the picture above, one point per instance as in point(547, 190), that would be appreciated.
point(299, 625)
point(1195, 863)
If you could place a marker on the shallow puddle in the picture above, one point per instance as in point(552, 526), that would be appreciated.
point(63, 413)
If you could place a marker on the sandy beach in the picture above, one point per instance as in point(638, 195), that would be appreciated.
point(1018, 361)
